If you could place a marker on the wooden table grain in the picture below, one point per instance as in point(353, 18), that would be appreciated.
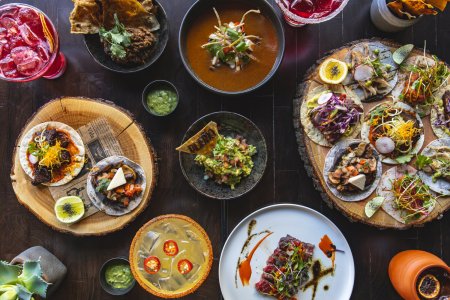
point(270, 108)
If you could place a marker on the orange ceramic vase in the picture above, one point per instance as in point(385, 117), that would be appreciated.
point(406, 266)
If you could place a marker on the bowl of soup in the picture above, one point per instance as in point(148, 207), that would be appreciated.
point(231, 46)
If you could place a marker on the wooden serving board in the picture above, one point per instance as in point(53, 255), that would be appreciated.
point(313, 155)
point(76, 112)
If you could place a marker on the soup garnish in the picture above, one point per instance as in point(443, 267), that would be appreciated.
point(230, 44)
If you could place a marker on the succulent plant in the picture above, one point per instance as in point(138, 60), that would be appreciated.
point(21, 282)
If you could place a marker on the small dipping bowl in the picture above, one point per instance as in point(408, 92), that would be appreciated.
point(106, 286)
point(158, 85)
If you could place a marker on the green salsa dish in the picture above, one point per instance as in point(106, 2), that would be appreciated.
point(162, 102)
point(229, 162)
point(119, 276)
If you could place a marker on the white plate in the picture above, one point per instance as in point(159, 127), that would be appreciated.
point(300, 222)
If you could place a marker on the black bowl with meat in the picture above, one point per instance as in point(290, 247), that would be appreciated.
point(352, 170)
point(146, 46)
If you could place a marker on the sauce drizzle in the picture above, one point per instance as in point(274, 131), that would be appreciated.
point(245, 269)
point(318, 273)
point(328, 248)
point(250, 236)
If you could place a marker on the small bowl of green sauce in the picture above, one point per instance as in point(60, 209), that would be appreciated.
point(160, 98)
point(116, 277)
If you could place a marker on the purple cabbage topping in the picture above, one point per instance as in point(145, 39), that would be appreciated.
point(336, 117)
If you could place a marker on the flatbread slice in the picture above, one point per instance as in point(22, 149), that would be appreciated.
point(85, 17)
point(131, 13)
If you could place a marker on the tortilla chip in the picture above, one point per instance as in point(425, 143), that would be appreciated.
point(418, 7)
point(130, 12)
point(396, 8)
point(203, 141)
point(439, 4)
point(85, 17)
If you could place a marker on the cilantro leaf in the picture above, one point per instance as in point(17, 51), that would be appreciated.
point(118, 51)
point(102, 185)
point(118, 38)
point(422, 161)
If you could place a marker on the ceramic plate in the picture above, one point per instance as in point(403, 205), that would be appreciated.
point(300, 222)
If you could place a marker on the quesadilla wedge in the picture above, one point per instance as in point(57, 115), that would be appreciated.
point(329, 114)
point(51, 153)
point(407, 199)
point(396, 131)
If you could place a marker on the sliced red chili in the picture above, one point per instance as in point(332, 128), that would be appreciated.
point(184, 266)
point(170, 247)
point(152, 265)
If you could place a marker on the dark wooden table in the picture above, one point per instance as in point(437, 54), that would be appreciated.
point(270, 108)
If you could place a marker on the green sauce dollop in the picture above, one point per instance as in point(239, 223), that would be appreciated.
point(119, 276)
point(162, 102)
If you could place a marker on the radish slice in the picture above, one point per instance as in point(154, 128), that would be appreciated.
point(385, 145)
point(363, 73)
point(324, 98)
point(33, 159)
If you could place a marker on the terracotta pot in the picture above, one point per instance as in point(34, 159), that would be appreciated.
point(406, 266)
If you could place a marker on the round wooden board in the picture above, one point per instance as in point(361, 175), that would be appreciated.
point(76, 112)
point(314, 155)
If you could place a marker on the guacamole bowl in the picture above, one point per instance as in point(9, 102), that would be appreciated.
point(230, 125)
point(115, 276)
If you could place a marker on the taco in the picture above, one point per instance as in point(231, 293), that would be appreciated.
point(51, 153)
point(373, 72)
point(395, 130)
point(116, 185)
point(434, 165)
point(421, 80)
point(352, 170)
point(406, 198)
point(329, 115)
point(440, 114)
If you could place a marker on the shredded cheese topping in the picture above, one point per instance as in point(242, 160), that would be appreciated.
point(52, 156)
point(402, 132)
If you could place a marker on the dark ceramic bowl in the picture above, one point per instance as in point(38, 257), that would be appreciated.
point(197, 9)
point(156, 85)
point(230, 124)
point(106, 287)
point(95, 47)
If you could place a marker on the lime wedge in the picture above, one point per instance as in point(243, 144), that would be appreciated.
point(69, 209)
point(373, 205)
point(402, 53)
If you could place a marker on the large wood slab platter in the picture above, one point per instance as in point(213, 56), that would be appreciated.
point(76, 112)
point(313, 155)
